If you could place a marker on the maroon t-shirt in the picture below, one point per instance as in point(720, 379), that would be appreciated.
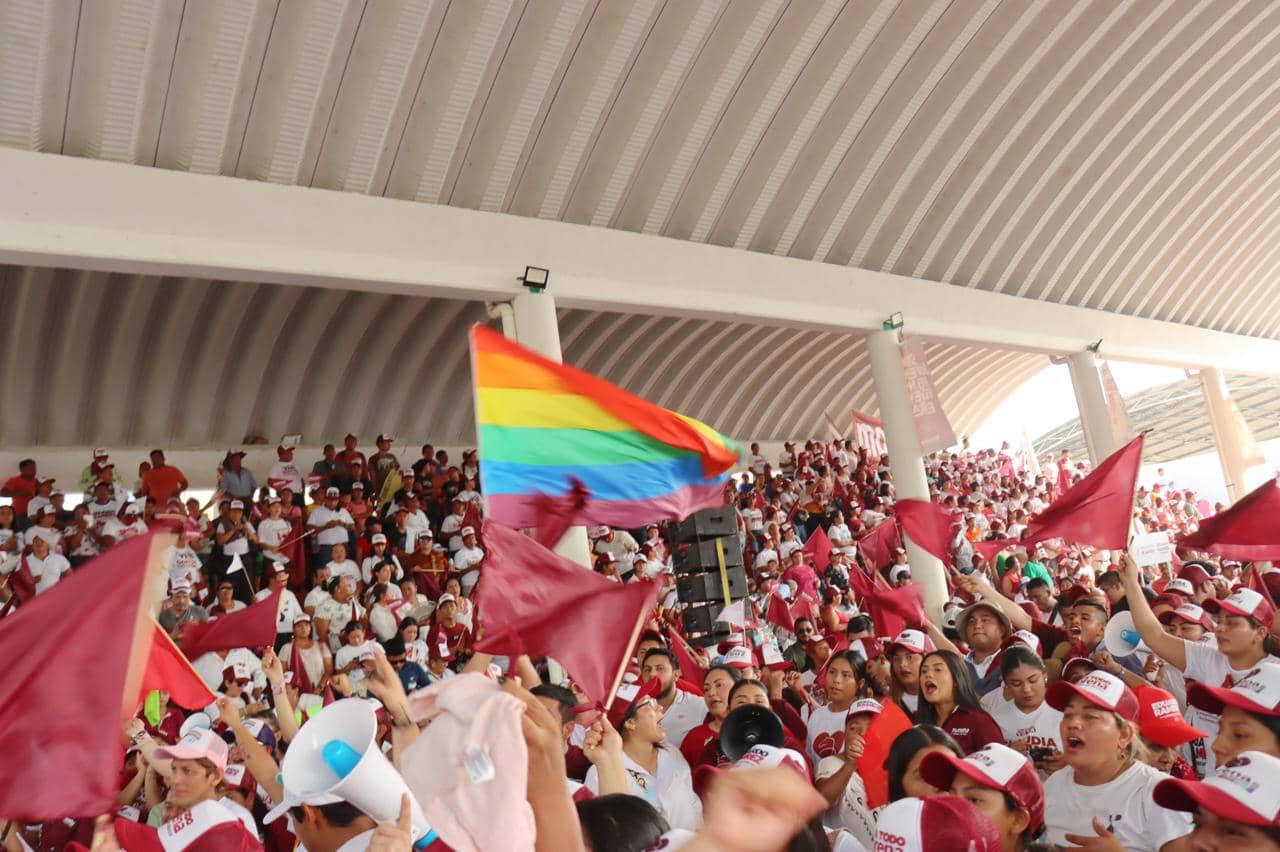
point(972, 729)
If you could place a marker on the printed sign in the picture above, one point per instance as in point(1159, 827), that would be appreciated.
point(869, 434)
point(931, 422)
point(1151, 549)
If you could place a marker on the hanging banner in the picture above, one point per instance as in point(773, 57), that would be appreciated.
point(931, 421)
point(1121, 428)
point(869, 433)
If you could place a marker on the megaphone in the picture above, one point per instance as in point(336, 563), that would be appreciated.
point(749, 725)
point(336, 753)
point(1121, 638)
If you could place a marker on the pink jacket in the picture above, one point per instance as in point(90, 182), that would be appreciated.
point(469, 767)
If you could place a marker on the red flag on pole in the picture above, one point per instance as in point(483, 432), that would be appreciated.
point(532, 601)
point(927, 524)
point(61, 740)
point(817, 549)
point(779, 614)
point(690, 669)
point(297, 665)
point(252, 627)
point(169, 670)
point(1249, 530)
point(1097, 510)
point(880, 544)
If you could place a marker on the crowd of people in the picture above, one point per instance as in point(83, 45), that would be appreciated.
point(1022, 728)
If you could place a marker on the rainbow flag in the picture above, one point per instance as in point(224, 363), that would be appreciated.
point(541, 425)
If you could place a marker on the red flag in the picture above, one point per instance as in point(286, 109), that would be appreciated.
point(471, 516)
point(885, 728)
point(817, 548)
point(301, 678)
point(556, 513)
point(1098, 509)
point(1249, 530)
point(890, 609)
point(532, 601)
point(169, 670)
point(927, 524)
point(779, 614)
point(991, 549)
point(251, 627)
point(61, 739)
point(879, 545)
point(690, 669)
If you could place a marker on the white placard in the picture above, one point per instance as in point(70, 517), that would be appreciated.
point(1151, 549)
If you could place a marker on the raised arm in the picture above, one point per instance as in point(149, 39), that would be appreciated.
point(974, 584)
point(1171, 649)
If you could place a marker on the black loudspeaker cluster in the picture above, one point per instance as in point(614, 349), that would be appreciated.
point(699, 583)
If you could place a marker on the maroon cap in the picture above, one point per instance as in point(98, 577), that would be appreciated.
point(629, 695)
point(1101, 689)
point(1246, 602)
point(995, 766)
point(1195, 573)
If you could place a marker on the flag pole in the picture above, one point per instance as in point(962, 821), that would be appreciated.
point(622, 666)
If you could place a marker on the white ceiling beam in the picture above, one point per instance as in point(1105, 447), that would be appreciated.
point(87, 214)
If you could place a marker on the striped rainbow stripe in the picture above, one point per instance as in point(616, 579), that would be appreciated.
point(540, 424)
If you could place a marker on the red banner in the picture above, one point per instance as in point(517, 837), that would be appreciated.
point(931, 421)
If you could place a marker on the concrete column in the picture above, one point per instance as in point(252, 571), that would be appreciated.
point(906, 461)
point(1225, 435)
point(533, 323)
point(1091, 401)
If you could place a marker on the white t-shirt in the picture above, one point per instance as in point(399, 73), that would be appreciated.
point(1124, 805)
point(184, 564)
point(670, 790)
point(826, 733)
point(373, 561)
point(315, 597)
point(1041, 728)
point(210, 667)
point(346, 568)
point(285, 473)
point(1208, 665)
point(239, 544)
point(103, 512)
point(273, 532)
point(850, 812)
point(48, 571)
point(685, 713)
point(322, 515)
point(449, 528)
point(289, 608)
point(51, 537)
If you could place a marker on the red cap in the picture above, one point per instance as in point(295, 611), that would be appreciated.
point(1160, 719)
point(1195, 573)
point(936, 823)
point(1101, 689)
point(914, 641)
point(629, 696)
point(1257, 692)
point(995, 766)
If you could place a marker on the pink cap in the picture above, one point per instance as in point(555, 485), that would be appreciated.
point(196, 744)
point(1244, 602)
point(1246, 790)
point(995, 766)
point(940, 822)
point(1101, 689)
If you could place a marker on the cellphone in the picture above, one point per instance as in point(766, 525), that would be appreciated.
point(1040, 753)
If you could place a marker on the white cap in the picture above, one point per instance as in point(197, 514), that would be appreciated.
point(1245, 789)
point(100, 452)
point(898, 571)
point(466, 531)
point(377, 538)
point(1180, 586)
point(293, 799)
point(766, 756)
point(1028, 638)
point(739, 657)
point(236, 504)
point(865, 705)
point(447, 597)
point(914, 641)
point(331, 492)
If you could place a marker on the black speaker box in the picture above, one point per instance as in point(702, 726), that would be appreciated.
point(707, 586)
point(700, 626)
point(709, 523)
point(701, 555)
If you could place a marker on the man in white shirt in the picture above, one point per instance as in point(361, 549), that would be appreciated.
point(46, 566)
point(278, 580)
point(452, 524)
point(621, 544)
point(210, 667)
point(334, 523)
point(44, 529)
point(103, 507)
point(467, 560)
point(284, 472)
point(681, 711)
point(756, 463)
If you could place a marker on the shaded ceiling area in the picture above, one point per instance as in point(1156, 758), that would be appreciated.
point(1178, 419)
point(125, 360)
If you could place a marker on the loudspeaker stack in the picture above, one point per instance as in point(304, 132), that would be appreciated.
point(699, 581)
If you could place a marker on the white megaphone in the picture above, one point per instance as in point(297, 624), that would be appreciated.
point(337, 753)
point(1121, 638)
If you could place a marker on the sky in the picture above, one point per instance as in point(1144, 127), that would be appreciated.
point(1047, 400)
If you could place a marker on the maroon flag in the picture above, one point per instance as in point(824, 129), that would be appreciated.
point(779, 614)
point(1098, 509)
point(1249, 530)
point(61, 739)
point(22, 586)
point(532, 601)
point(927, 524)
point(251, 627)
point(297, 665)
point(169, 670)
point(881, 602)
point(880, 544)
point(817, 549)
point(991, 549)
point(556, 513)
point(690, 669)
